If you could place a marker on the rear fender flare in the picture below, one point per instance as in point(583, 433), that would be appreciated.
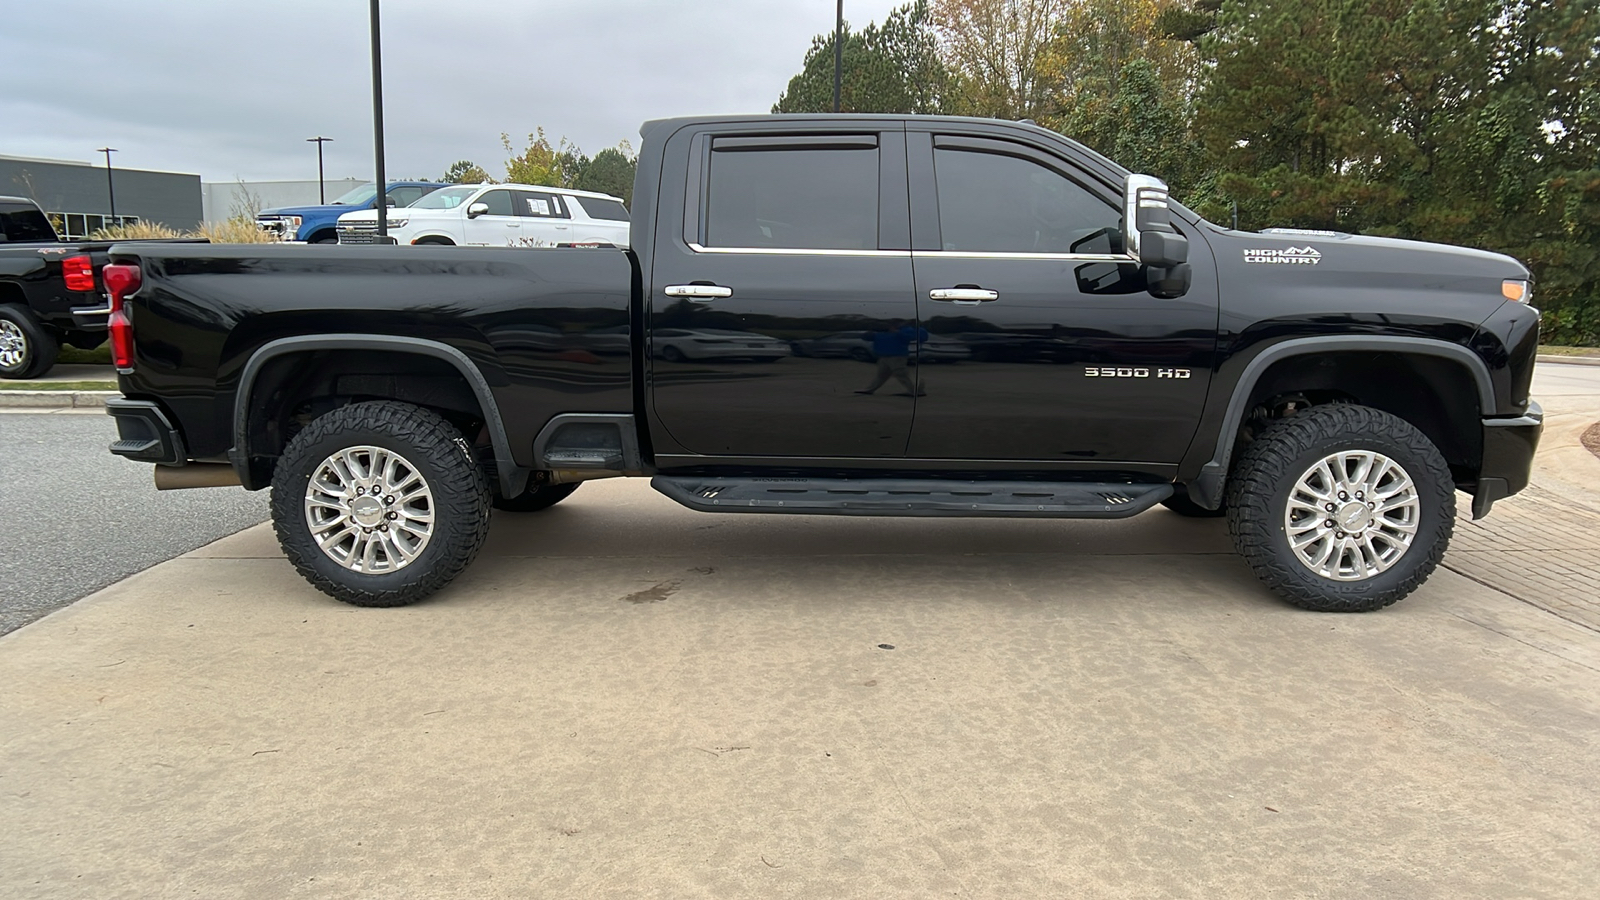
point(513, 478)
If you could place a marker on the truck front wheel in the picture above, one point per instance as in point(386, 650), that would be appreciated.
point(1341, 508)
point(380, 503)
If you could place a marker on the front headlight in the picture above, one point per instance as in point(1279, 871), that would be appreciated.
point(399, 223)
point(1517, 290)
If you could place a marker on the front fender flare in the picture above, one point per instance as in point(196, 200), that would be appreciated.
point(1207, 488)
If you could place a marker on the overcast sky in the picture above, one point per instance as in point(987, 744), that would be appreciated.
point(230, 89)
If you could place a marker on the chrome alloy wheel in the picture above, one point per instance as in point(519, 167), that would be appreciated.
point(1352, 515)
point(13, 344)
point(370, 510)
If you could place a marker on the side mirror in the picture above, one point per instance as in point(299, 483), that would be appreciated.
point(476, 210)
point(1147, 224)
point(390, 201)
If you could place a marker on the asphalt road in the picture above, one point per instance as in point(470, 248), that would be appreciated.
point(74, 518)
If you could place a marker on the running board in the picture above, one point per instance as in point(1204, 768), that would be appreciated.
point(912, 497)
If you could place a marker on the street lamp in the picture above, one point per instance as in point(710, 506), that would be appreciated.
point(111, 191)
point(377, 128)
point(838, 52)
point(319, 140)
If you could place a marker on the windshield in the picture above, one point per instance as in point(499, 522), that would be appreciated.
point(361, 196)
point(446, 198)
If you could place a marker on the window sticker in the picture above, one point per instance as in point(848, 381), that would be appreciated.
point(538, 207)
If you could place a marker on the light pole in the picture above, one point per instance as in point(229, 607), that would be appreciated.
point(377, 128)
point(111, 191)
point(319, 140)
point(838, 53)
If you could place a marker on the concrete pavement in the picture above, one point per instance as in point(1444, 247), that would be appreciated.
point(622, 697)
point(626, 698)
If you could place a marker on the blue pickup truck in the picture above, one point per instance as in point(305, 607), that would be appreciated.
point(316, 224)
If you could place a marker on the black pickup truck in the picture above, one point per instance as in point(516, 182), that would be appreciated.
point(51, 292)
point(1040, 333)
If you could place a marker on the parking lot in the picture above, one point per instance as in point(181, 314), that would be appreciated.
point(625, 698)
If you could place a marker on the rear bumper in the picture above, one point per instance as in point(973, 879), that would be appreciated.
point(144, 433)
point(1508, 448)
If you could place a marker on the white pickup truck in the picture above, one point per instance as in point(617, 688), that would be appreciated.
point(497, 215)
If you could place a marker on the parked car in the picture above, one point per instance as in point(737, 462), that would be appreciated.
point(1329, 392)
point(497, 215)
point(319, 224)
point(51, 292)
point(679, 344)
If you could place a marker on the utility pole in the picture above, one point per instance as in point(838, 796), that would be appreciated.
point(838, 53)
point(319, 140)
point(111, 191)
point(377, 128)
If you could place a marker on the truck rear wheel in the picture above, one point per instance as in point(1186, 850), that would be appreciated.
point(26, 349)
point(1341, 508)
point(380, 503)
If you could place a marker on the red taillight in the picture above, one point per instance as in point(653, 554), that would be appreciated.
point(121, 281)
point(78, 272)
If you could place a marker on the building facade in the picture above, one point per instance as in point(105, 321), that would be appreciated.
point(226, 199)
point(78, 199)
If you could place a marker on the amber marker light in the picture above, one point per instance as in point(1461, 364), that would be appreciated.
point(1516, 290)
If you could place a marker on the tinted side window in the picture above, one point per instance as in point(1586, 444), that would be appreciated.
point(405, 196)
point(603, 209)
point(499, 203)
point(1006, 204)
point(540, 206)
point(823, 199)
point(24, 222)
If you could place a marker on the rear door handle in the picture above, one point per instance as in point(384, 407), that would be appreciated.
point(700, 292)
point(965, 296)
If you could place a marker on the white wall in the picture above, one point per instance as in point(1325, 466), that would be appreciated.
point(219, 198)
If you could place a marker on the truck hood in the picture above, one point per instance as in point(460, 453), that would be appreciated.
point(395, 213)
point(1284, 246)
point(306, 212)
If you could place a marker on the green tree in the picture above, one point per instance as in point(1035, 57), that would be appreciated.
point(465, 171)
point(541, 162)
point(611, 172)
point(1145, 126)
point(892, 68)
point(1465, 121)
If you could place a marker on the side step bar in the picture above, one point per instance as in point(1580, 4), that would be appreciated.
point(912, 497)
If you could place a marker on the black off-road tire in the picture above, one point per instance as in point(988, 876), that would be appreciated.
point(536, 497)
point(39, 347)
point(460, 490)
point(1180, 503)
point(1266, 473)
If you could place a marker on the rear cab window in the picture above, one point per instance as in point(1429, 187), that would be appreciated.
point(24, 222)
point(801, 193)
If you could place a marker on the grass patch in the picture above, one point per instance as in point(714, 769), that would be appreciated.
point(1570, 351)
point(99, 356)
point(58, 385)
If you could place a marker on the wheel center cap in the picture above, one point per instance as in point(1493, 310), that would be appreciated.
point(1353, 514)
point(367, 511)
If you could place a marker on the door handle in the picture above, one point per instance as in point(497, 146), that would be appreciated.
point(699, 292)
point(965, 296)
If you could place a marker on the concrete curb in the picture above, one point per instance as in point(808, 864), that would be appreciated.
point(55, 399)
point(1570, 360)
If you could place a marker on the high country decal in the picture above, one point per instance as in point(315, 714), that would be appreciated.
point(1289, 256)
